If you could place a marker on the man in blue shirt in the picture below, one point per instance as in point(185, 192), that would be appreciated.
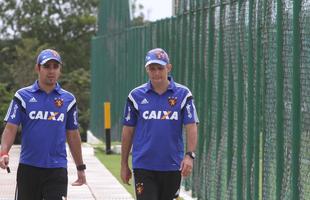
point(48, 116)
point(155, 114)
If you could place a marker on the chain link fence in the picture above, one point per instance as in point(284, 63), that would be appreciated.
point(247, 63)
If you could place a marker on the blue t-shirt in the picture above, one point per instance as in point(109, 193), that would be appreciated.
point(158, 121)
point(44, 119)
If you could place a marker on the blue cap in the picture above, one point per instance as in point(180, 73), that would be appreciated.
point(48, 54)
point(158, 56)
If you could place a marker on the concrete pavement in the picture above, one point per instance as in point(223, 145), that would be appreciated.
point(101, 184)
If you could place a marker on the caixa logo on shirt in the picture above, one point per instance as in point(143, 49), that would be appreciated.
point(47, 115)
point(164, 115)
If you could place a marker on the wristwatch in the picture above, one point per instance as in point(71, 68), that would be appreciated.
point(191, 154)
point(81, 167)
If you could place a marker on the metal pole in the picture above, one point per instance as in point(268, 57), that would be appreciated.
point(107, 127)
point(296, 121)
point(279, 102)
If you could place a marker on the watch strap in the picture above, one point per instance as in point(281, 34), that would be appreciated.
point(190, 154)
point(81, 167)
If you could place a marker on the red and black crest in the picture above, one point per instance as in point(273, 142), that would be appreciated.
point(160, 55)
point(172, 101)
point(58, 102)
point(139, 188)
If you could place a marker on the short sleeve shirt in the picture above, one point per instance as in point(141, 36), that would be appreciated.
point(158, 121)
point(44, 119)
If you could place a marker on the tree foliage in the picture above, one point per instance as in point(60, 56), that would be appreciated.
point(137, 14)
point(66, 25)
point(5, 98)
point(28, 26)
point(22, 68)
point(78, 82)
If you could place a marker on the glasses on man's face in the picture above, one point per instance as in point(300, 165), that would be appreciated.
point(52, 65)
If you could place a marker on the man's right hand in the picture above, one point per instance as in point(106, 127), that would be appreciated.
point(4, 161)
point(126, 174)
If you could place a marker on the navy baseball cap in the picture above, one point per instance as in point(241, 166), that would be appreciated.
point(48, 54)
point(158, 56)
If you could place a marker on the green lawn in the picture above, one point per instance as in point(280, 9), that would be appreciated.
point(112, 163)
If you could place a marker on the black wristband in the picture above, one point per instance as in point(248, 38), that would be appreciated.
point(81, 167)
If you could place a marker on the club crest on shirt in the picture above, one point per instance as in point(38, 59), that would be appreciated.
point(139, 188)
point(172, 101)
point(58, 102)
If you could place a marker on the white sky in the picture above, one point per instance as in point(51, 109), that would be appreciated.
point(156, 9)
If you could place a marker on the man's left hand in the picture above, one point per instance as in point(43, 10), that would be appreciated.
point(186, 166)
point(81, 179)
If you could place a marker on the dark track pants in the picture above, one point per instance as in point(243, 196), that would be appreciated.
point(35, 183)
point(157, 185)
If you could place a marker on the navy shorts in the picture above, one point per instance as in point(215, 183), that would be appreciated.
point(34, 183)
point(157, 185)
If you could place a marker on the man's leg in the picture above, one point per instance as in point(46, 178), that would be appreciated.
point(145, 185)
point(28, 183)
point(169, 184)
point(55, 185)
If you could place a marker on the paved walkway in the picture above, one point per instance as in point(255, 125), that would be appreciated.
point(101, 184)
